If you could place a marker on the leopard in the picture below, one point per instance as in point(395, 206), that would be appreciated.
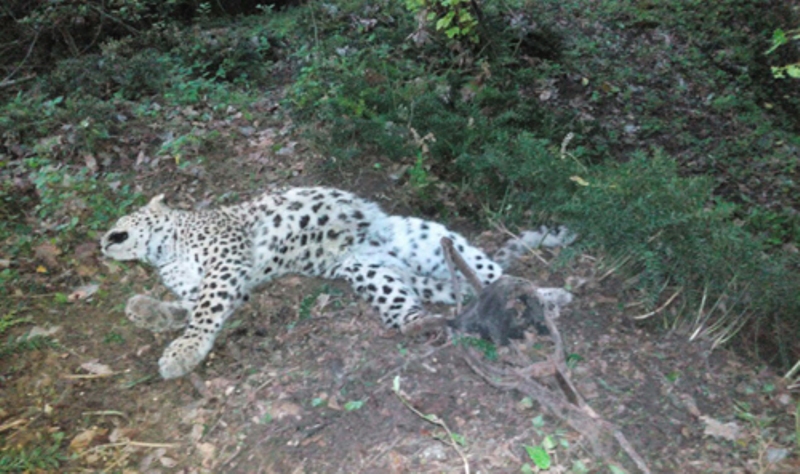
point(213, 259)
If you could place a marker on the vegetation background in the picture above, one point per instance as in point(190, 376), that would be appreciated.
point(665, 133)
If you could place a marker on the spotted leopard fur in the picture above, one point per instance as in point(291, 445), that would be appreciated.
point(213, 259)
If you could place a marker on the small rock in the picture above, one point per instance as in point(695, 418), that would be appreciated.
point(40, 331)
point(287, 150)
point(434, 452)
point(167, 462)
point(775, 455)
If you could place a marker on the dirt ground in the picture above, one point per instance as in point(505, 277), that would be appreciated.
point(302, 378)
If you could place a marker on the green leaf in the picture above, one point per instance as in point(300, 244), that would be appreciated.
point(538, 421)
point(445, 21)
point(548, 443)
point(353, 405)
point(616, 470)
point(539, 456)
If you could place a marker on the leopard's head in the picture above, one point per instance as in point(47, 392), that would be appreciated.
point(133, 235)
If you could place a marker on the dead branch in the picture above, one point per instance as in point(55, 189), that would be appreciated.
point(7, 80)
point(447, 248)
point(9, 83)
point(452, 254)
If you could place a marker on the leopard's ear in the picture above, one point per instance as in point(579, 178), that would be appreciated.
point(157, 203)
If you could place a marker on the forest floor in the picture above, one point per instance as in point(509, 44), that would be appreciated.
point(301, 379)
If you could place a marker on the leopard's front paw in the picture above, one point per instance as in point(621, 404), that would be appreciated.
point(182, 356)
point(154, 315)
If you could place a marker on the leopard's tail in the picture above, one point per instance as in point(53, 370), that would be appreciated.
point(532, 239)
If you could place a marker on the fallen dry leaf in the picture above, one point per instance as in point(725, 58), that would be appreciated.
point(47, 252)
point(86, 271)
point(40, 331)
point(84, 439)
point(82, 292)
point(96, 368)
point(120, 434)
point(207, 452)
point(85, 250)
point(281, 409)
point(729, 431)
point(91, 162)
point(167, 461)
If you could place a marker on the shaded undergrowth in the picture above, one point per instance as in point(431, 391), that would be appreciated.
point(656, 134)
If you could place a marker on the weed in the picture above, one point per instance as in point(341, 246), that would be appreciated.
point(488, 349)
point(22, 344)
point(26, 344)
point(457, 19)
point(46, 457)
point(308, 302)
point(113, 338)
point(779, 39)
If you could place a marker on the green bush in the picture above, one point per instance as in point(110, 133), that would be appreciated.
point(495, 138)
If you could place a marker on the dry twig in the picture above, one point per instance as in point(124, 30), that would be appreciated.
point(431, 418)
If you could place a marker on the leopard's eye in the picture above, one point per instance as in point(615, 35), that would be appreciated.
point(118, 237)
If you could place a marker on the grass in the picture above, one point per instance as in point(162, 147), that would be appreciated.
point(46, 457)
